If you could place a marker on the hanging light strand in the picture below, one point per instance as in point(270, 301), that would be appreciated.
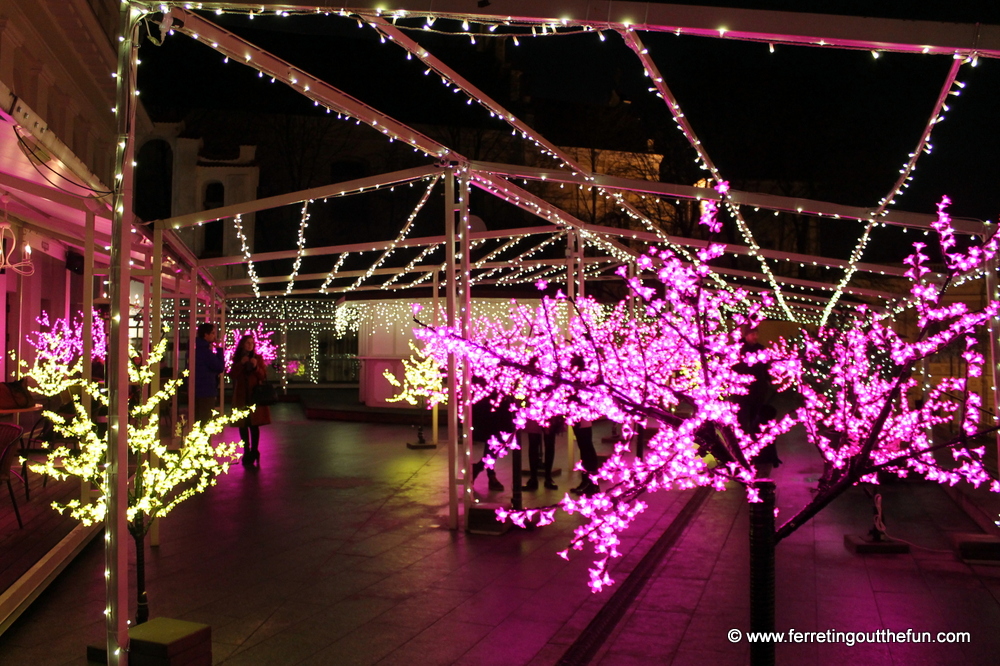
point(245, 249)
point(333, 273)
point(300, 245)
point(664, 92)
point(905, 175)
point(402, 234)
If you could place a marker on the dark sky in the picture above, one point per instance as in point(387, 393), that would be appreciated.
point(841, 121)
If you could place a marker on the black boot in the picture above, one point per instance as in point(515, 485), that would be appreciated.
point(477, 469)
point(495, 484)
point(532, 484)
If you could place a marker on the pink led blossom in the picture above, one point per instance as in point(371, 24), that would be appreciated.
point(62, 340)
point(674, 357)
point(262, 339)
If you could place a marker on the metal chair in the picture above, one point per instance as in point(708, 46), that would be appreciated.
point(9, 436)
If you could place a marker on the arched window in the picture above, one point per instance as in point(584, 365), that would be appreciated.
point(215, 197)
point(154, 181)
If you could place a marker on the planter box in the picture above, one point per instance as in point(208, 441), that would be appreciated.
point(164, 642)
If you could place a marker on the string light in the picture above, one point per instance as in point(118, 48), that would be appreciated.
point(245, 249)
point(333, 273)
point(923, 145)
point(300, 245)
point(402, 234)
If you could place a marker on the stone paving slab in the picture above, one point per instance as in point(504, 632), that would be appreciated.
point(334, 552)
point(820, 584)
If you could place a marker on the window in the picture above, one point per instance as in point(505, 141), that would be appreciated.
point(215, 197)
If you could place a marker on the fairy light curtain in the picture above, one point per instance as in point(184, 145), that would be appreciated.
point(392, 27)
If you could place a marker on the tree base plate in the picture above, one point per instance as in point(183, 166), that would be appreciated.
point(865, 545)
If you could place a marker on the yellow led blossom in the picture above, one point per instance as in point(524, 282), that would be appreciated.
point(162, 477)
point(422, 378)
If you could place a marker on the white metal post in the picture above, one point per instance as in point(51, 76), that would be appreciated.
point(465, 311)
point(284, 347)
point(175, 352)
point(221, 339)
point(88, 328)
point(572, 238)
point(192, 335)
point(154, 325)
point(435, 434)
point(451, 299)
point(115, 524)
point(993, 292)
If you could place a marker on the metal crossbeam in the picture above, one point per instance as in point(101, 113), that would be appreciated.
point(806, 29)
point(367, 247)
point(302, 82)
point(766, 201)
point(334, 190)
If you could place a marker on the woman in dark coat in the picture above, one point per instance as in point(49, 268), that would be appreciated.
point(248, 370)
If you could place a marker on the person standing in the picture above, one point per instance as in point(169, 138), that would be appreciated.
point(208, 365)
point(536, 436)
point(584, 432)
point(749, 405)
point(247, 371)
point(488, 422)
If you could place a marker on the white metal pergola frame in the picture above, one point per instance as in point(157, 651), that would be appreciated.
point(963, 42)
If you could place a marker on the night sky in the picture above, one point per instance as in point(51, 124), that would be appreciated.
point(840, 122)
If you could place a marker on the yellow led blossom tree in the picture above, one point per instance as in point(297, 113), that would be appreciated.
point(160, 478)
point(423, 379)
point(423, 383)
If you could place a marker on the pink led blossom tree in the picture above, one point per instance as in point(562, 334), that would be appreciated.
point(571, 359)
point(264, 346)
point(574, 360)
point(62, 340)
point(856, 409)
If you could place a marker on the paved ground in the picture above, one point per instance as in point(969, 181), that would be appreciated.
point(334, 553)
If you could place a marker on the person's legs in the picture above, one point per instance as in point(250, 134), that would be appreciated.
point(588, 456)
point(247, 450)
point(534, 459)
point(550, 455)
point(255, 443)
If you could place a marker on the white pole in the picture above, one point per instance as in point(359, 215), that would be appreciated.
point(221, 338)
point(88, 328)
point(451, 298)
point(465, 309)
point(115, 524)
point(192, 335)
point(993, 292)
point(154, 326)
point(175, 338)
point(435, 434)
point(572, 239)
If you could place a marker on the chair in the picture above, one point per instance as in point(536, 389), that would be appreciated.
point(38, 440)
point(9, 435)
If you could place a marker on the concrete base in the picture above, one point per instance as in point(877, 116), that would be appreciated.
point(164, 642)
point(977, 547)
point(483, 520)
point(865, 545)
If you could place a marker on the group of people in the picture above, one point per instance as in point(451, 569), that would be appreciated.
point(490, 420)
point(493, 418)
point(490, 417)
point(246, 371)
